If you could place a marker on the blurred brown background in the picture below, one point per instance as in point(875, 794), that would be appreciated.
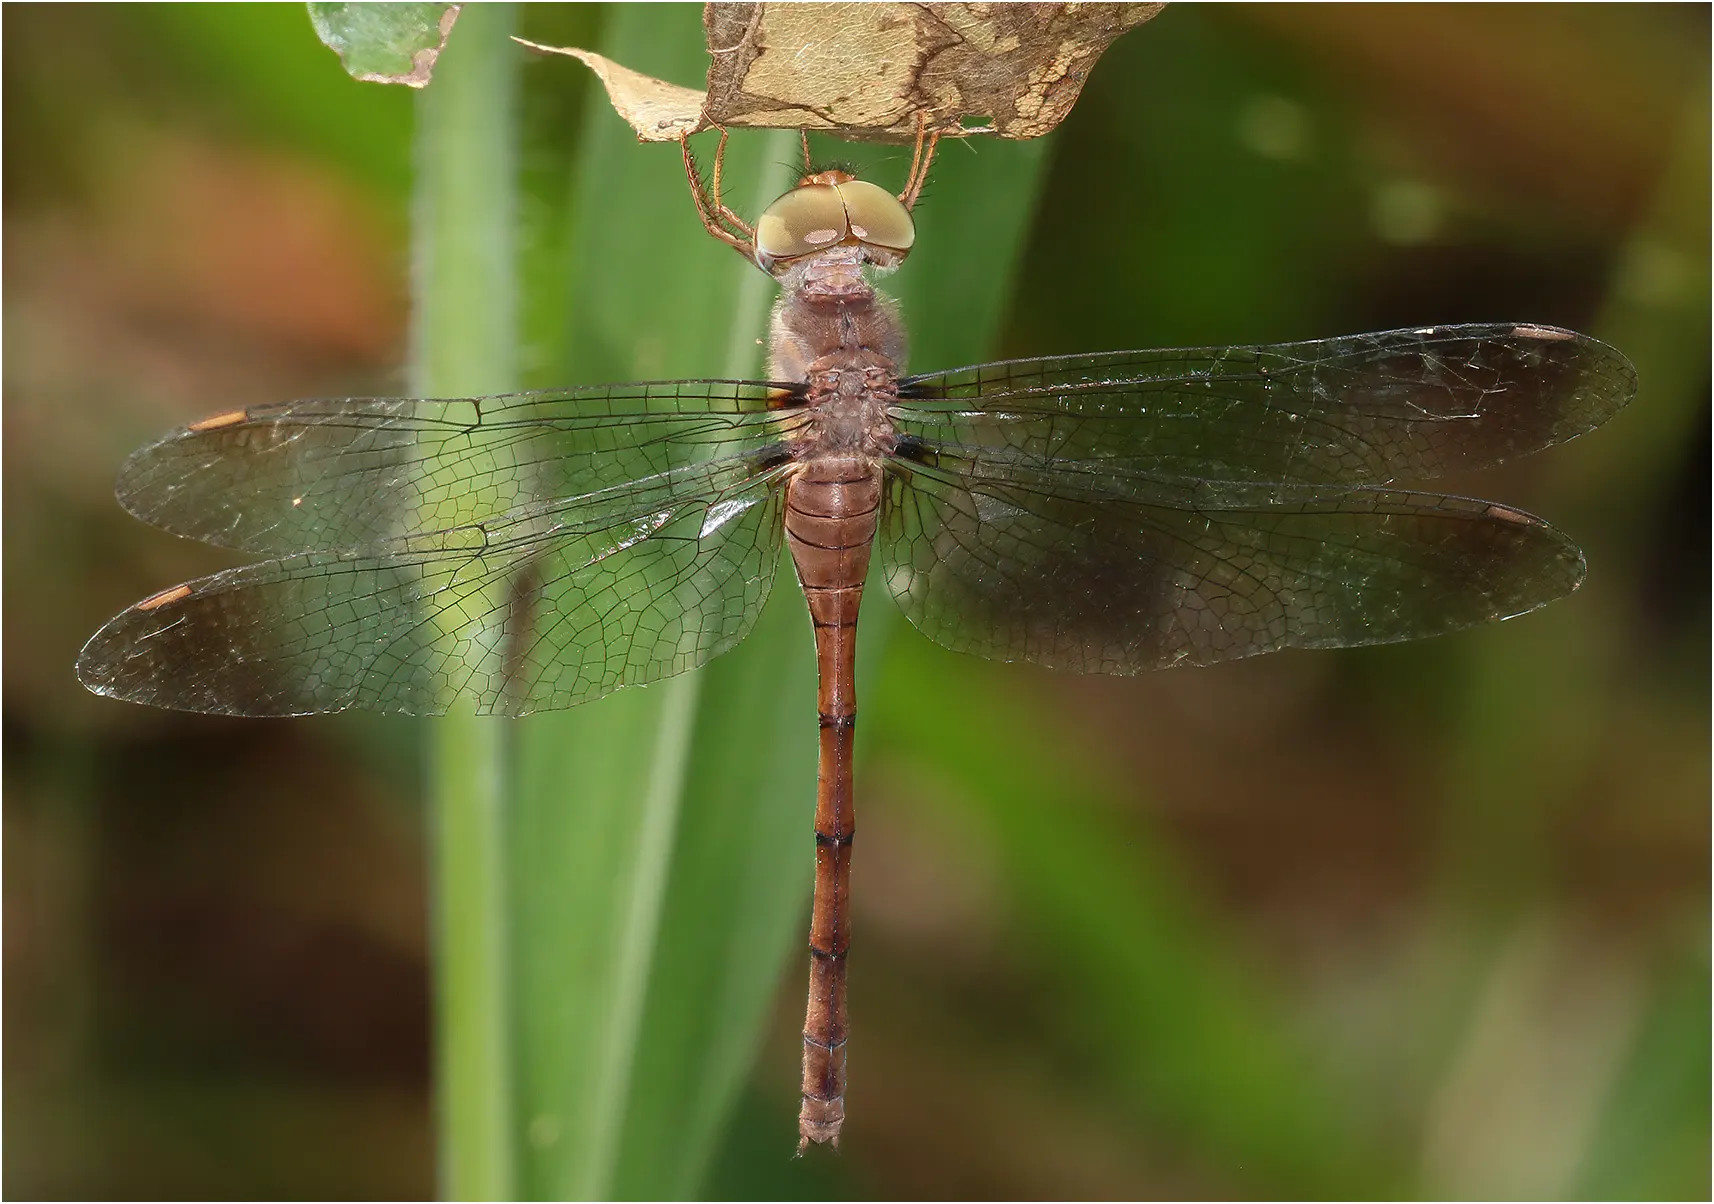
point(1461, 886)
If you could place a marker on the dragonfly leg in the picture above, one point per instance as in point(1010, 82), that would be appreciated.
point(921, 157)
point(726, 214)
point(715, 216)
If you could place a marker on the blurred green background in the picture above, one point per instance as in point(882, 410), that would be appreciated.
point(1429, 920)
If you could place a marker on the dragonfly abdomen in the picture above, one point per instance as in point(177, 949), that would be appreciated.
point(833, 506)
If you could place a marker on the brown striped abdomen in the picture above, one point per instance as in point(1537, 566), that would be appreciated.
point(832, 510)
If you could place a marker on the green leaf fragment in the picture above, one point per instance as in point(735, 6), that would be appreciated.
point(385, 43)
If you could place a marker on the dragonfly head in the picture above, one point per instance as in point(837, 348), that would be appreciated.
point(833, 209)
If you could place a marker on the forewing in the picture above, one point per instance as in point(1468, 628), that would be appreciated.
point(1359, 410)
point(1076, 572)
point(543, 607)
point(347, 473)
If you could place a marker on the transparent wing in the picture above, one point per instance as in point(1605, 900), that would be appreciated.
point(353, 472)
point(545, 606)
point(1360, 410)
point(1073, 570)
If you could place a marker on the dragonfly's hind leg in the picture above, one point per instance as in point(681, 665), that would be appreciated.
point(717, 219)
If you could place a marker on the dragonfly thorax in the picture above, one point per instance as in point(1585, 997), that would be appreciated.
point(830, 316)
point(848, 402)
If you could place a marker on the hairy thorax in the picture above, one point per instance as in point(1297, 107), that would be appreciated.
point(834, 332)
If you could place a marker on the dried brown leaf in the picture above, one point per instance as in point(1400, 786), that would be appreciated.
point(866, 71)
point(657, 110)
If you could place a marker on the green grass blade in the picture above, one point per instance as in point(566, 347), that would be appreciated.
point(463, 342)
point(621, 1031)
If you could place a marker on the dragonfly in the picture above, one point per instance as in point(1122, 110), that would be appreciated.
point(1111, 513)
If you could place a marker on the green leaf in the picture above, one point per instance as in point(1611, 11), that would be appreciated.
point(661, 845)
point(385, 43)
point(463, 342)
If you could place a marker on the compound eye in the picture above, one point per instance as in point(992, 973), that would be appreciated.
point(807, 219)
point(877, 219)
